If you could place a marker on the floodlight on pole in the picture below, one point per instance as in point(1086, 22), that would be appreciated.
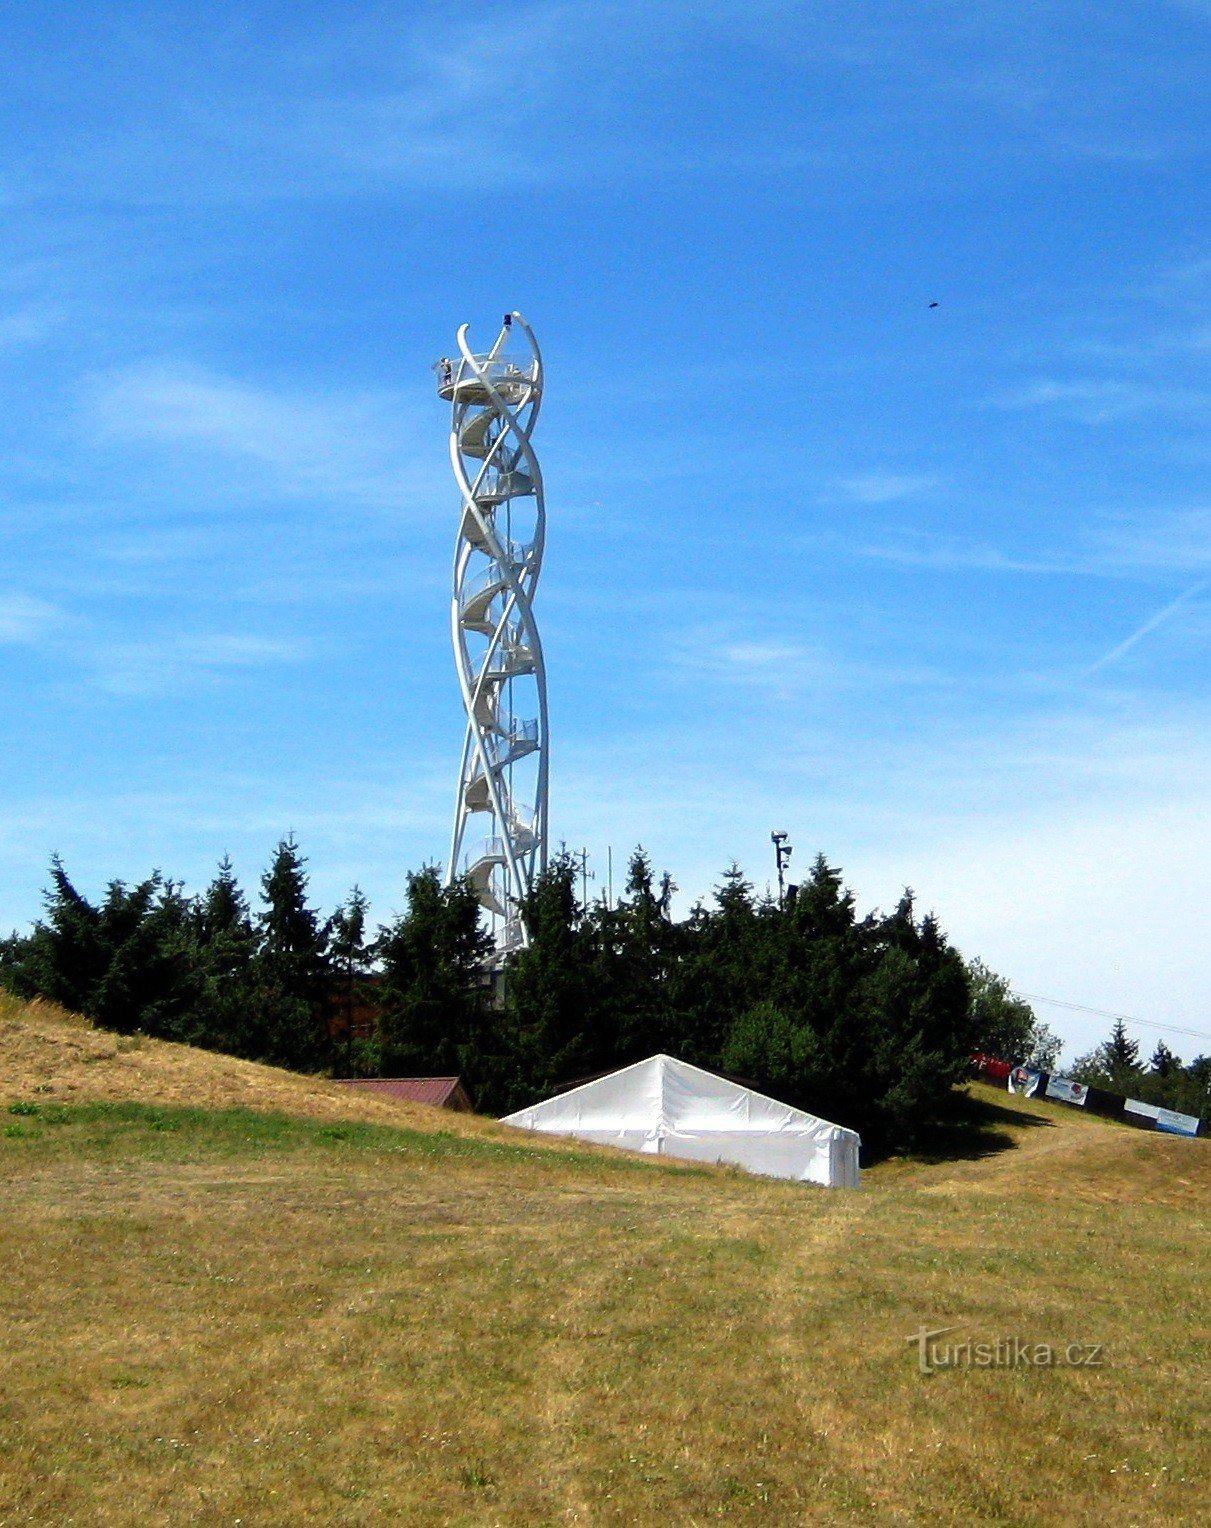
point(495, 398)
point(782, 854)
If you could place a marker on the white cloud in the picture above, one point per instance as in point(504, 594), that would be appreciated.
point(344, 446)
point(884, 487)
point(1141, 545)
point(774, 667)
point(1103, 401)
point(26, 620)
point(1166, 540)
point(28, 326)
point(140, 665)
point(158, 664)
point(923, 552)
point(759, 657)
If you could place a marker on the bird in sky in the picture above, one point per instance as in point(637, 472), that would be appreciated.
point(933, 305)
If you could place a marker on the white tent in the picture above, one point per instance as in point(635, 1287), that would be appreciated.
point(669, 1108)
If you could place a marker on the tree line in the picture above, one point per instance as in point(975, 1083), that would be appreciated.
point(867, 1020)
point(1116, 1065)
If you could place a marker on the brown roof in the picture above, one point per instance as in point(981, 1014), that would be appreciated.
point(441, 1092)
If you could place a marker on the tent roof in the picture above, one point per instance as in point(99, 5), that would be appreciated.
point(663, 1091)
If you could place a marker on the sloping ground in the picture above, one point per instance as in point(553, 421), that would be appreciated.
point(47, 1053)
point(206, 1320)
point(1056, 1150)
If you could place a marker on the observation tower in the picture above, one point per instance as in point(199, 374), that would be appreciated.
point(500, 811)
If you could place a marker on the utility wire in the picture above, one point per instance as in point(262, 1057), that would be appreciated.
point(1126, 1018)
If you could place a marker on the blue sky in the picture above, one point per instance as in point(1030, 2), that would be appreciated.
point(928, 587)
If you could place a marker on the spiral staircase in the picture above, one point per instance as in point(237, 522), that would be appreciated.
point(500, 813)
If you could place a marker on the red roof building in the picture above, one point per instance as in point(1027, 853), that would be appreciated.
point(440, 1092)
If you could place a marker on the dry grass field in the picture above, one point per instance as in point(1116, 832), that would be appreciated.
point(229, 1295)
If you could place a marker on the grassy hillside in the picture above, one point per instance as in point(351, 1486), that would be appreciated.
point(228, 1294)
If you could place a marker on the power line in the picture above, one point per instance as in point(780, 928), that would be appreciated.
point(1126, 1018)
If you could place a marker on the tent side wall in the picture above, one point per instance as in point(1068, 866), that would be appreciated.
point(799, 1158)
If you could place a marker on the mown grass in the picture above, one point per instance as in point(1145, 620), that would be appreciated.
point(108, 1131)
point(220, 1315)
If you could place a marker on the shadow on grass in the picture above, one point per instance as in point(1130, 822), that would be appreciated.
point(973, 1129)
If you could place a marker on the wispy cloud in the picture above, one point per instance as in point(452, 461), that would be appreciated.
point(976, 556)
point(1149, 626)
point(349, 447)
point(139, 665)
point(1112, 546)
point(29, 325)
point(1103, 401)
point(26, 620)
point(1174, 540)
point(884, 487)
point(776, 667)
point(160, 665)
point(390, 101)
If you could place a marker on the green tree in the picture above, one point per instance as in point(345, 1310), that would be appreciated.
point(351, 961)
point(1114, 1064)
point(1004, 1023)
point(125, 963)
point(435, 994)
point(554, 1006)
point(780, 1054)
point(1043, 1051)
point(292, 979)
point(722, 969)
point(1122, 1054)
point(869, 1023)
point(641, 948)
point(1163, 1062)
point(226, 952)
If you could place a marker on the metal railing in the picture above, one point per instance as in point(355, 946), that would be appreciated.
point(509, 937)
point(491, 851)
point(512, 736)
point(508, 661)
point(507, 375)
point(504, 485)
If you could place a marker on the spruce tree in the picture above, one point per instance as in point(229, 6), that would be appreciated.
point(227, 962)
point(435, 985)
point(1122, 1054)
point(125, 963)
point(1163, 1062)
point(639, 958)
point(723, 968)
point(562, 1018)
point(292, 984)
point(351, 961)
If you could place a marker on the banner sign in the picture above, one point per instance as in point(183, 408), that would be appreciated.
point(1177, 1124)
point(1166, 1119)
point(992, 1066)
point(1067, 1091)
point(1025, 1081)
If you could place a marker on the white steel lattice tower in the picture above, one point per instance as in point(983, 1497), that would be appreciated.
point(494, 402)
